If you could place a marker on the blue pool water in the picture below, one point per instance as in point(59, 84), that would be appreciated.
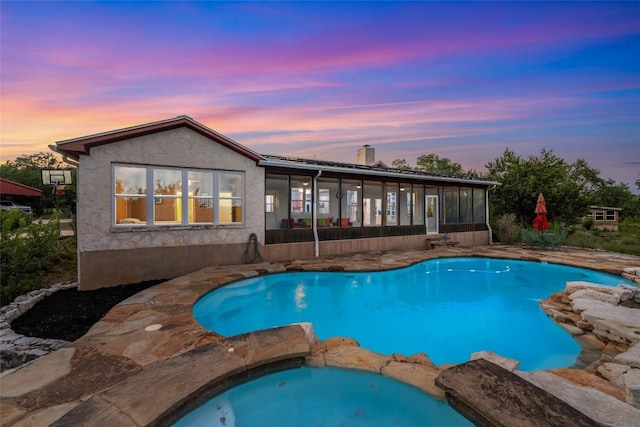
point(323, 397)
point(447, 308)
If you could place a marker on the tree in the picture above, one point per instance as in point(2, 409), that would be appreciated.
point(564, 186)
point(400, 164)
point(26, 170)
point(436, 164)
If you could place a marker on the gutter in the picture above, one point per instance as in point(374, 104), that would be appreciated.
point(486, 214)
point(314, 214)
point(65, 158)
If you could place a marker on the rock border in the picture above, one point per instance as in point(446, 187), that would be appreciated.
point(606, 318)
point(16, 349)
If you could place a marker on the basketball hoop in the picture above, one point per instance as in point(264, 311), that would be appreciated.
point(58, 178)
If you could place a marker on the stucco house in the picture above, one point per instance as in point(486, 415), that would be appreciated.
point(161, 199)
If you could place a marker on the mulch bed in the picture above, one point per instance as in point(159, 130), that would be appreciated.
point(68, 314)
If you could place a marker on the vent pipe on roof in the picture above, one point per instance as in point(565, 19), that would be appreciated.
point(366, 155)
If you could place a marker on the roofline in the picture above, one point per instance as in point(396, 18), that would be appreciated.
point(373, 172)
point(82, 145)
point(604, 207)
point(8, 181)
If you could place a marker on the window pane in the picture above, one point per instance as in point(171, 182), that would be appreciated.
point(372, 203)
point(130, 180)
point(328, 201)
point(350, 213)
point(230, 210)
point(167, 209)
point(167, 182)
point(451, 205)
point(200, 210)
point(301, 196)
point(200, 184)
point(131, 210)
point(278, 185)
point(478, 205)
point(465, 205)
point(392, 204)
point(405, 201)
point(231, 184)
point(418, 200)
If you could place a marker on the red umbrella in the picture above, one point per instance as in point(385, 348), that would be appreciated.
point(541, 223)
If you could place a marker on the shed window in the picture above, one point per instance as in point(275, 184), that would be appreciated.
point(611, 215)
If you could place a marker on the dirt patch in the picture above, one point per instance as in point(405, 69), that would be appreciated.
point(69, 314)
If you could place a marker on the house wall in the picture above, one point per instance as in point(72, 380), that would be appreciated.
point(287, 251)
point(110, 255)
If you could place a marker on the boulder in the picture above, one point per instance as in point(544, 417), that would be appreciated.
point(352, 357)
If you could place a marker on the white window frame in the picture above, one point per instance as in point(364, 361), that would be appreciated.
point(185, 197)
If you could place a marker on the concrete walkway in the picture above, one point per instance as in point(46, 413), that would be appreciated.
point(91, 377)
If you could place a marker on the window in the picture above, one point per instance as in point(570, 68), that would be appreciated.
point(478, 205)
point(130, 195)
point(300, 195)
point(179, 196)
point(392, 204)
point(451, 205)
point(323, 201)
point(611, 215)
point(269, 203)
point(465, 205)
point(599, 215)
point(231, 191)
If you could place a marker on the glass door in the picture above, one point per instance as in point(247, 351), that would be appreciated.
point(431, 214)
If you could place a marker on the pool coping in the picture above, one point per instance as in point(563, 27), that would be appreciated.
point(155, 327)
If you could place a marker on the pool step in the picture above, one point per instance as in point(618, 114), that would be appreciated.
point(433, 242)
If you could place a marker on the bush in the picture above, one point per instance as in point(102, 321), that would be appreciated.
point(587, 223)
point(508, 229)
point(26, 251)
point(584, 240)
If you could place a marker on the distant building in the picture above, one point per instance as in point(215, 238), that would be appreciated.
point(604, 218)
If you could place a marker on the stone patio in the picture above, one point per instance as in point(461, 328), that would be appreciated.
point(137, 366)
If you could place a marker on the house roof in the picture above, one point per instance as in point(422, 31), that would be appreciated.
point(73, 148)
point(605, 208)
point(82, 145)
point(376, 169)
point(16, 189)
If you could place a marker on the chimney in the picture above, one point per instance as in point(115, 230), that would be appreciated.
point(366, 155)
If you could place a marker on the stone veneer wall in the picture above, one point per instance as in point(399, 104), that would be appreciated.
point(110, 255)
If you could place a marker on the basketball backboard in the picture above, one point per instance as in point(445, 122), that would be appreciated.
point(57, 177)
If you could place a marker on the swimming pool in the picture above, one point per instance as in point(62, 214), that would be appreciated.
point(323, 397)
point(447, 308)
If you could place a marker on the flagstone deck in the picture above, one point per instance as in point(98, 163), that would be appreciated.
point(91, 377)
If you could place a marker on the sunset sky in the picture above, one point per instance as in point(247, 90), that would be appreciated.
point(462, 80)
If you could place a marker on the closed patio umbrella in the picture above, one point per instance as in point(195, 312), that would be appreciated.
point(540, 223)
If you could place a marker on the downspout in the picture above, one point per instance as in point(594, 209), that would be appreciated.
point(486, 215)
point(314, 214)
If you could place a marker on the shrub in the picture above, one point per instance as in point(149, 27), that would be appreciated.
point(587, 223)
point(584, 240)
point(508, 229)
point(26, 250)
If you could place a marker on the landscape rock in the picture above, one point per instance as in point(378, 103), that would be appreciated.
point(505, 362)
point(590, 294)
point(351, 357)
point(605, 409)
